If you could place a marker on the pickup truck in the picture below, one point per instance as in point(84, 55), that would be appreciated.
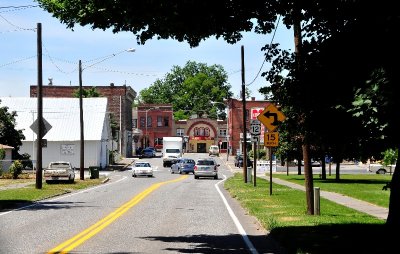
point(59, 170)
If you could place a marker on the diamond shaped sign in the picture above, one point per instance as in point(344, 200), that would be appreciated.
point(45, 126)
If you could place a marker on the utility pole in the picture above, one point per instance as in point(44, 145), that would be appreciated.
point(39, 109)
point(82, 154)
point(244, 119)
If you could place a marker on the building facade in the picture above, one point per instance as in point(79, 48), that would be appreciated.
point(120, 100)
point(151, 123)
point(235, 122)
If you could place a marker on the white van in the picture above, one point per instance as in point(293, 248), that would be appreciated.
point(213, 150)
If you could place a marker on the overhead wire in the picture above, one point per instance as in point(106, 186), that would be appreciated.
point(265, 59)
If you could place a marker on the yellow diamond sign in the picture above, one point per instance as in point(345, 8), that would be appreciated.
point(271, 116)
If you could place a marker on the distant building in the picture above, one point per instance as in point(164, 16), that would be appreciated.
point(63, 138)
point(235, 122)
point(120, 100)
point(151, 123)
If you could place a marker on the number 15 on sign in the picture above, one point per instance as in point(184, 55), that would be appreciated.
point(271, 139)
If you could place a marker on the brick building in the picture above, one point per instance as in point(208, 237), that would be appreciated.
point(235, 121)
point(152, 122)
point(201, 133)
point(120, 99)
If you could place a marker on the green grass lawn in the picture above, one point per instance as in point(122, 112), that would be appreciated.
point(366, 187)
point(24, 191)
point(337, 229)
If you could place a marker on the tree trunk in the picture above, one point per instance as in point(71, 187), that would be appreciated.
point(393, 219)
point(308, 178)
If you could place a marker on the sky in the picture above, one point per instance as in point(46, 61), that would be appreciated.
point(105, 57)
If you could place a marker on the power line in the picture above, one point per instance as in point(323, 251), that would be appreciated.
point(276, 27)
point(18, 7)
point(18, 27)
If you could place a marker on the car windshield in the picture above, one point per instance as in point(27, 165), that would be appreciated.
point(205, 162)
point(188, 161)
point(172, 150)
point(142, 165)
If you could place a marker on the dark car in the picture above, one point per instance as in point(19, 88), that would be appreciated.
point(148, 153)
point(239, 161)
point(183, 166)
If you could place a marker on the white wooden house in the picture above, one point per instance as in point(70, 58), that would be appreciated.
point(63, 138)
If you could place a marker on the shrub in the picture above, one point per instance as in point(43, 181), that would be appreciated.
point(16, 169)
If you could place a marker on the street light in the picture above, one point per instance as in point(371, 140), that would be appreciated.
point(82, 146)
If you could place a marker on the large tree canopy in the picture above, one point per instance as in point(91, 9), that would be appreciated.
point(191, 21)
point(191, 89)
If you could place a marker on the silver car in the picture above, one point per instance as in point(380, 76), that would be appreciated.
point(206, 167)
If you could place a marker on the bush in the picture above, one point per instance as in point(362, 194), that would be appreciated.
point(16, 169)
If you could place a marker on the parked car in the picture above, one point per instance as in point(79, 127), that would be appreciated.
point(381, 169)
point(148, 153)
point(314, 163)
point(213, 150)
point(239, 161)
point(206, 167)
point(59, 170)
point(142, 168)
point(183, 166)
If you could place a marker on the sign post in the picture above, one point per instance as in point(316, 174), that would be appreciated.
point(255, 131)
point(270, 117)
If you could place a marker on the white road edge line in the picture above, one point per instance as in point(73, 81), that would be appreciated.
point(239, 226)
point(63, 196)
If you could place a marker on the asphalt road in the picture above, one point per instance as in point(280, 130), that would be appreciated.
point(168, 213)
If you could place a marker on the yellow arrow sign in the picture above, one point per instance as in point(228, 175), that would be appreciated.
point(271, 116)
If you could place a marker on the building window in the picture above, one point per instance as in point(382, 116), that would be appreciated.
point(134, 123)
point(166, 121)
point(222, 133)
point(159, 121)
point(180, 132)
point(149, 124)
point(142, 121)
point(201, 132)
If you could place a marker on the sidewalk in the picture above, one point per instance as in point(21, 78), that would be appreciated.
point(359, 205)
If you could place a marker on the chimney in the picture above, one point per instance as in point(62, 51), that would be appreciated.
point(253, 98)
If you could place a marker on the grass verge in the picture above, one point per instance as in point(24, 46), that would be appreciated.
point(284, 213)
point(21, 192)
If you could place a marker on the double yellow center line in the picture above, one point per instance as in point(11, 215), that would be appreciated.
point(85, 235)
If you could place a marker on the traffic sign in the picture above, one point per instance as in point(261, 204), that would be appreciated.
point(45, 126)
point(271, 139)
point(255, 127)
point(255, 138)
point(270, 117)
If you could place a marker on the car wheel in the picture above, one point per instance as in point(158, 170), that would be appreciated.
point(381, 171)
